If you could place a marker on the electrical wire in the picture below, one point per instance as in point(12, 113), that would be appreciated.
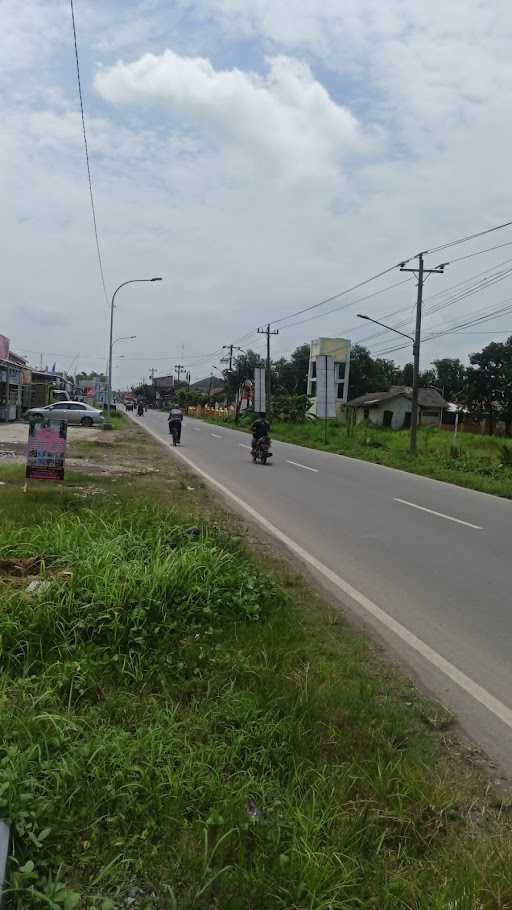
point(354, 287)
point(467, 238)
point(86, 148)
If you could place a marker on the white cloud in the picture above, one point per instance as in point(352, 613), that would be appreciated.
point(286, 120)
point(251, 187)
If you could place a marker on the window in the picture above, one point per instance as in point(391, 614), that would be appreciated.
point(71, 406)
point(313, 370)
point(339, 393)
point(340, 370)
point(407, 420)
point(313, 390)
point(366, 413)
point(387, 418)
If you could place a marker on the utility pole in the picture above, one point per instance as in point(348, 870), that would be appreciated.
point(230, 348)
point(267, 331)
point(421, 271)
point(179, 369)
point(187, 377)
point(152, 374)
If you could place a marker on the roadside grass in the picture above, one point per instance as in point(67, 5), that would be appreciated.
point(480, 462)
point(185, 724)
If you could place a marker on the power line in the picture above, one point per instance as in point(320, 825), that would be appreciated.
point(89, 177)
point(489, 249)
point(354, 287)
point(468, 237)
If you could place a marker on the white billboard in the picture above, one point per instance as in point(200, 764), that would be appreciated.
point(325, 402)
point(260, 398)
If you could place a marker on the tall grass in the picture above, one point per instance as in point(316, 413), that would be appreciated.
point(181, 730)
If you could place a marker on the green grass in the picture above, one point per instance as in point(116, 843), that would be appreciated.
point(481, 462)
point(185, 728)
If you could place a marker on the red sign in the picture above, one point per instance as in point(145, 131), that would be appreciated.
point(46, 451)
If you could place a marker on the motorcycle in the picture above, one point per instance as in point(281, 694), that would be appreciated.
point(260, 450)
point(175, 431)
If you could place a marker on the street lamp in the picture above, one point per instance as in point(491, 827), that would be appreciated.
point(111, 343)
point(384, 326)
point(123, 338)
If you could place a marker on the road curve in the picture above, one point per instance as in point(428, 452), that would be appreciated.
point(426, 564)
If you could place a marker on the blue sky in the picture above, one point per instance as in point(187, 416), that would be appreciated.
point(258, 156)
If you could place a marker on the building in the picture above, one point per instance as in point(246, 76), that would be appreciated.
point(339, 350)
point(209, 386)
point(13, 376)
point(392, 408)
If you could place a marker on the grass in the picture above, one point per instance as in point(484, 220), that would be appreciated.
point(479, 462)
point(187, 726)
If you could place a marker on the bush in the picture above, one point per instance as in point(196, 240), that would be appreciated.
point(291, 408)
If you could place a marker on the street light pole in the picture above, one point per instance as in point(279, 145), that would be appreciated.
point(111, 342)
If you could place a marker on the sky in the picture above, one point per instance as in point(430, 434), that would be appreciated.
point(260, 157)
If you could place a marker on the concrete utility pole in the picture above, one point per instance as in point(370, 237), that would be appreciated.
point(230, 348)
point(421, 271)
point(179, 369)
point(267, 331)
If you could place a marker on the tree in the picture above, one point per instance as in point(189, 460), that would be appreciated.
point(367, 374)
point(407, 374)
point(489, 383)
point(243, 369)
point(450, 376)
point(291, 376)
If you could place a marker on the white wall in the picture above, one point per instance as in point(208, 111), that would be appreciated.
point(399, 406)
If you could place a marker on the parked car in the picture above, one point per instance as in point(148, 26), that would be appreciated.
point(129, 405)
point(71, 411)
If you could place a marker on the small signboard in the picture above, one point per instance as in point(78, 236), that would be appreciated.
point(259, 390)
point(325, 387)
point(46, 451)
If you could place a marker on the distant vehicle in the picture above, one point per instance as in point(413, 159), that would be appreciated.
point(60, 395)
point(70, 411)
point(129, 405)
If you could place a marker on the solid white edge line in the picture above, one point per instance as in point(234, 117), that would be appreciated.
point(468, 685)
point(304, 466)
point(458, 521)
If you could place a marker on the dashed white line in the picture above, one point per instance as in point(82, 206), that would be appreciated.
point(196, 429)
point(304, 466)
point(468, 685)
point(216, 435)
point(459, 521)
point(243, 446)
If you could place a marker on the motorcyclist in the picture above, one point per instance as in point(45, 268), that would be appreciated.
point(175, 420)
point(260, 430)
point(140, 409)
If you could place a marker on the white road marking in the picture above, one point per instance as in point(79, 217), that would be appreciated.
point(468, 685)
point(216, 435)
point(304, 466)
point(243, 446)
point(458, 521)
point(197, 429)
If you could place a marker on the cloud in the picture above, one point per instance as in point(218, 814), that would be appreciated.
point(284, 120)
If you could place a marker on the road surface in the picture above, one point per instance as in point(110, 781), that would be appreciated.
point(424, 563)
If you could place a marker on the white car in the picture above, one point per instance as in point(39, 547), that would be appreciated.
point(70, 411)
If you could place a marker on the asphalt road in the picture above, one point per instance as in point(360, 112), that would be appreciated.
point(426, 564)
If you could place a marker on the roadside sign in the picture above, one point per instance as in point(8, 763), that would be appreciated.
point(46, 451)
point(325, 387)
point(259, 389)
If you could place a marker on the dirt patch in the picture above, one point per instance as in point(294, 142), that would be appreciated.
point(20, 568)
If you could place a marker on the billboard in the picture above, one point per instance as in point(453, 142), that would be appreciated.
point(260, 398)
point(325, 386)
point(46, 450)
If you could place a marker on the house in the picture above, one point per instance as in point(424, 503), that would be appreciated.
point(392, 408)
point(209, 386)
point(12, 378)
